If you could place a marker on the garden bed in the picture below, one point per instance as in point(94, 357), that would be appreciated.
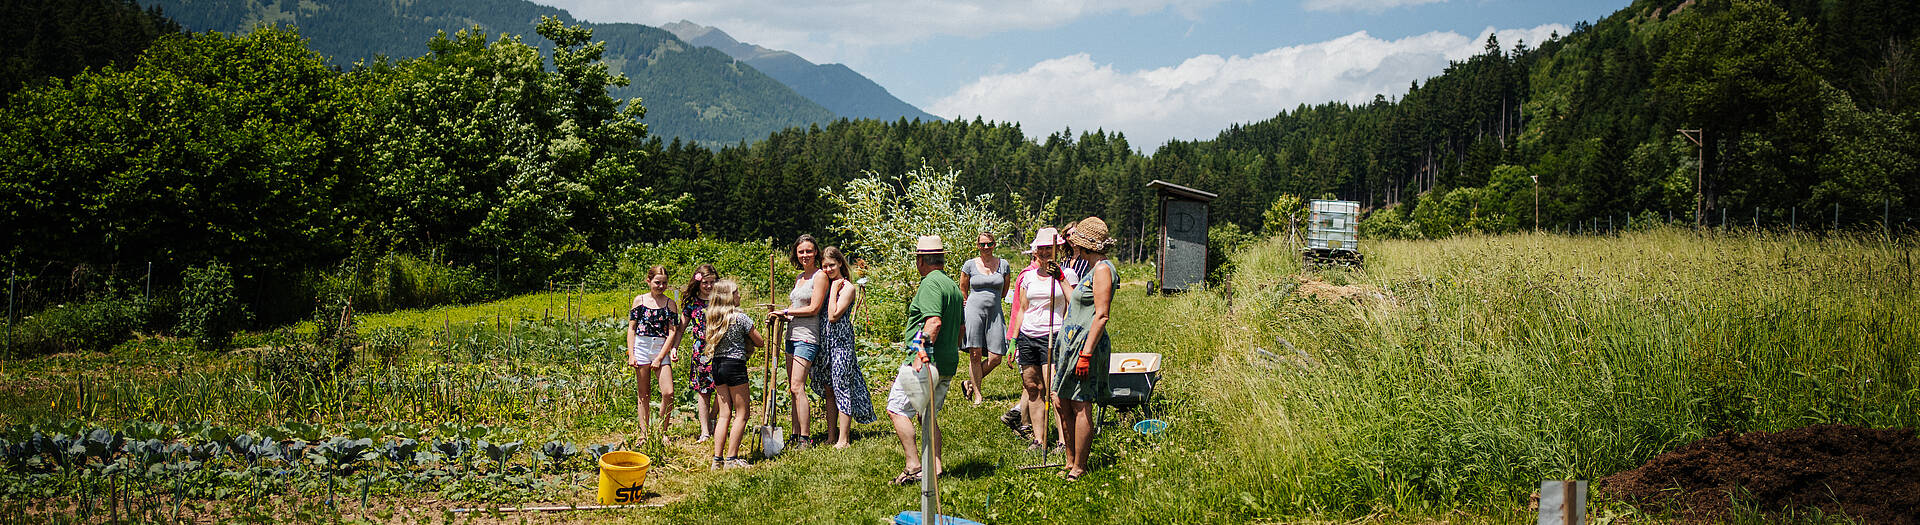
point(1867, 475)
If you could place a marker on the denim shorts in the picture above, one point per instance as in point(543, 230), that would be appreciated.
point(803, 350)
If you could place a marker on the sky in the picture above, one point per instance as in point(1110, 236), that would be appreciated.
point(1155, 70)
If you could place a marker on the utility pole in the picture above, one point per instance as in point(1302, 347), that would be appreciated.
point(1536, 203)
point(1698, 136)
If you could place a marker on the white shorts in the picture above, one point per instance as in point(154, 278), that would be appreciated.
point(900, 401)
point(645, 350)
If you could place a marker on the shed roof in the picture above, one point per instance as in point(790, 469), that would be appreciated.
point(1183, 191)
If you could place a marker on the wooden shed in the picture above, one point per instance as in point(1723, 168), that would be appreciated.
point(1182, 263)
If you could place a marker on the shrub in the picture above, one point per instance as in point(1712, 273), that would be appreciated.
point(881, 222)
point(86, 326)
point(209, 311)
point(1286, 216)
point(627, 267)
point(395, 281)
point(1223, 240)
point(1389, 223)
point(389, 343)
point(291, 366)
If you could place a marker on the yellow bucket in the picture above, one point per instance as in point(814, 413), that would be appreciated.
point(621, 475)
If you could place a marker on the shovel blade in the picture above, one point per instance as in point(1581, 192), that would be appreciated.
point(771, 444)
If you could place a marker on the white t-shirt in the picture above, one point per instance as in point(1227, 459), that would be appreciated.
point(1034, 288)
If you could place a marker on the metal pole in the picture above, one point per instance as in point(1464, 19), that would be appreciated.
point(1793, 219)
point(9, 313)
point(1836, 216)
point(149, 282)
point(1698, 136)
point(1886, 226)
point(1723, 218)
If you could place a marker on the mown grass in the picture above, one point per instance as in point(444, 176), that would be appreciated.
point(1496, 362)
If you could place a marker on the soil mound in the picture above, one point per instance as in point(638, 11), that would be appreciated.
point(1312, 286)
point(1868, 475)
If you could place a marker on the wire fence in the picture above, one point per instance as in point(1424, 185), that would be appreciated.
point(1793, 219)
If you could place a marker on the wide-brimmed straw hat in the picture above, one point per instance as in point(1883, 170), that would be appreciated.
point(1091, 235)
point(928, 245)
point(1045, 237)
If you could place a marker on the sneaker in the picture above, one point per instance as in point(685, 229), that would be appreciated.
point(1012, 420)
point(737, 462)
point(719, 463)
point(1024, 432)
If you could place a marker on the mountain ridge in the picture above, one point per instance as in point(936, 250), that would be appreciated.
point(834, 86)
point(691, 92)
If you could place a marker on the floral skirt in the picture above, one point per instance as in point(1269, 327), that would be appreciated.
point(702, 376)
point(838, 373)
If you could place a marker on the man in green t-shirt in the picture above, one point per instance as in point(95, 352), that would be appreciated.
point(933, 333)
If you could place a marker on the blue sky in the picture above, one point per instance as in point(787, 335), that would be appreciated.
point(1153, 69)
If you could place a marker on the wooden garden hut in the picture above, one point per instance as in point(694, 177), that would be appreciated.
point(1182, 263)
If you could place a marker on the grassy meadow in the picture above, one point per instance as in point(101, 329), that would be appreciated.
point(1465, 371)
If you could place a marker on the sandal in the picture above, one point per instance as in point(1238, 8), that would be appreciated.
point(907, 477)
point(1070, 476)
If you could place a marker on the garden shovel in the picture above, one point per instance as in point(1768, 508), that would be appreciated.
point(771, 444)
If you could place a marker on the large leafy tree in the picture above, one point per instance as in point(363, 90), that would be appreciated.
point(1749, 75)
point(211, 147)
point(482, 149)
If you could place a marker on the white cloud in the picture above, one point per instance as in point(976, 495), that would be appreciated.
point(1371, 6)
point(846, 30)
point(1203, 95)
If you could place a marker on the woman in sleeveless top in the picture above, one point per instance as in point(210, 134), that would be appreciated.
point(806, 301)
point(1080, 366)
point(984, 280)
point(837, 377)
point(653, 333)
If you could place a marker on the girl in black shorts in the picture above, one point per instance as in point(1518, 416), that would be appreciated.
point(730, 339)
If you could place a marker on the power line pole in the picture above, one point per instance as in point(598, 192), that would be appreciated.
point(1536, 203)
point(1698, 136)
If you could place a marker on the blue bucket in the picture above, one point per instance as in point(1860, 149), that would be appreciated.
point(1150, 427)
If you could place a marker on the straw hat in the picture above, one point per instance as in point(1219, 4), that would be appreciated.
point(1045, 237)
point(1091, 235)
point(928, 245)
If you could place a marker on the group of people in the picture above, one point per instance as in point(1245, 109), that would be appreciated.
point(1057, 331)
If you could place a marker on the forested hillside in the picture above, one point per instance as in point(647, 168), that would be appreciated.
point(1806, 106)
point(41, 40)
point(698, 94)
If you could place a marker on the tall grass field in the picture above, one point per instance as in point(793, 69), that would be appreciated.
point(1443, 381)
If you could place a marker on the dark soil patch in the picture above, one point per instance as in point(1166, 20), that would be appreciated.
point(1868, 475)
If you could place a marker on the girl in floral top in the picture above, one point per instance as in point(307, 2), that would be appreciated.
point(700, 377)
point(653, 333)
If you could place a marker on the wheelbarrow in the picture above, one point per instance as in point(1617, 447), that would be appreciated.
point(1130, 381)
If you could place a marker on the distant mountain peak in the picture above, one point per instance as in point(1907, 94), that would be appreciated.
point(713, 37)
point(837, 87)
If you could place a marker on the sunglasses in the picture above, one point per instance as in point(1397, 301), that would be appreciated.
point(986, 245)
